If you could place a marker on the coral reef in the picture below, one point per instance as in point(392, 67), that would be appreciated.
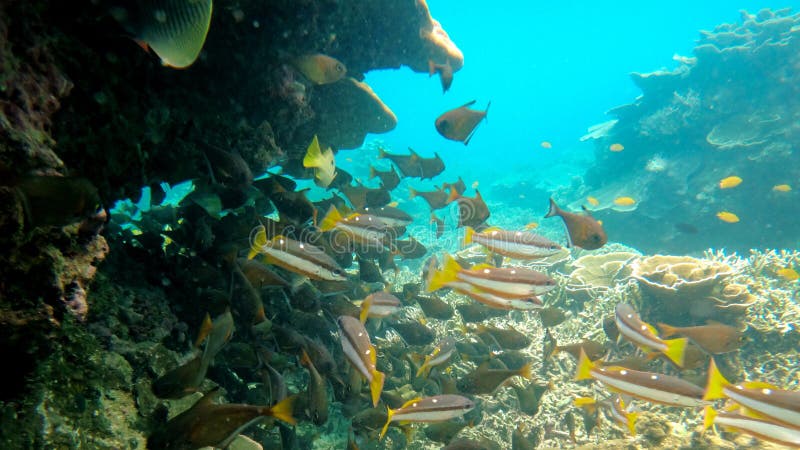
point(721, 112)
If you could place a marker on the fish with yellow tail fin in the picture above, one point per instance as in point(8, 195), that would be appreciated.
point(378, 305)
point(619, 412)
point(319, 68)
point(754, 426)
point(207, 424)
point(648, 386)
point(459, 124)
point(643, 335)
point(714, 338)
point(440, 355)
point(323, 162)
point(360, 352)
point(429, 409)
point(508, 282)
point(295, 256)
point(485, 380)
point(513, 244)
point(174, 29)
point(582, 229)
point(774, 403)
point(362, 228)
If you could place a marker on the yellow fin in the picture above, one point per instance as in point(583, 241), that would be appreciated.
point(468, 233)
point(708, 417)
point(525, 371)
point(283, 410)
point(313, 157)
point(676, 349)
point(389, 414)
point(715, 383)
point(259, 240)
point(376, 386)
point(631, 419)
point(584, 369)
point(331, 219)
point(365, 309)
point(438, 279)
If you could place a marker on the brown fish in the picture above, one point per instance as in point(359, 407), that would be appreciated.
point(509, 339)
point(593, 349)
point(715, 338)
point(530, 397)
point(410, 248)
point(472, 211)
point(57, 201)
point(215, 425)
point(582, 229)
point(485, 380)
point(316, 400)
point(319, 68)
point(434, 307)
point(459, 124)
point(362, 197)
point(436, 199)
point(439, 225)
point(445, 72)
point(458, 185)
point(389, 179)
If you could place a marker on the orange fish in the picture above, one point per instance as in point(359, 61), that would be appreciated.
point(459, 124)
point(624, 201)
point(729, 182)
point(616, 147)
point(582, 229)
point(319, 68)
point(546, 144)
point(445, 73)
point(727, 216)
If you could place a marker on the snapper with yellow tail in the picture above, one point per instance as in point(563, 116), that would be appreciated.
point(429, 409)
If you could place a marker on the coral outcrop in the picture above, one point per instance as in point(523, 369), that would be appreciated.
point(719, 113)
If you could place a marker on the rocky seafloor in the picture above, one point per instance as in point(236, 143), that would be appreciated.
point(92, 314)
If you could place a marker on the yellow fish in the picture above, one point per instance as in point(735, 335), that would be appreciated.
point(319, 68)
point(531, 226)
point(616, 147)
point(781, 188)
point(592, 200)
point(788, 274)
point(624, 201)
point(730, 182)
point(728, 217)
point(323, 163)
point(546, 144)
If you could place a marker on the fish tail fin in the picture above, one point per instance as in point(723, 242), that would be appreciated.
point(587, 403)
point(554, 209)
point(715, 382)
point(313, 156)
point(381, 153)
point(454, 195)
point(205, 329)
point(304, 359)
point(331, 219)
point(283, 410)
point(630, 419)
point(365, 309)
point(389, 414)
point(376, 386)
point(584, 369)
point(676, 350)
point(439, 278)
point(486, 111)
point(469, 232)
point(423, 370)
point(525, 371)
point(258, 240)
point(412, 193)
point(667, 330)
point(709, 414)
point(372, 172)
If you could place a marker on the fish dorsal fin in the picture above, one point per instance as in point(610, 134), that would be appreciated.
point(412, 153)
point(411, 402)
point(478, 196)
point(468, 104)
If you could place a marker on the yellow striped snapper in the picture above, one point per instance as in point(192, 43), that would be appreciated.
point(644, 335)
point(619, 412)
point(495, 301)
point(513, 244)
point(649, 386)
point(361, 353)
point(753, 426)
point(362, 228)
point(776, 404)
point(379, 304)
point(508, 282)
point(295, 256)
point(429, 409)
point(440, 355)
point(391, 216)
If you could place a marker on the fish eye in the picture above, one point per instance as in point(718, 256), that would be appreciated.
point(339, 68)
